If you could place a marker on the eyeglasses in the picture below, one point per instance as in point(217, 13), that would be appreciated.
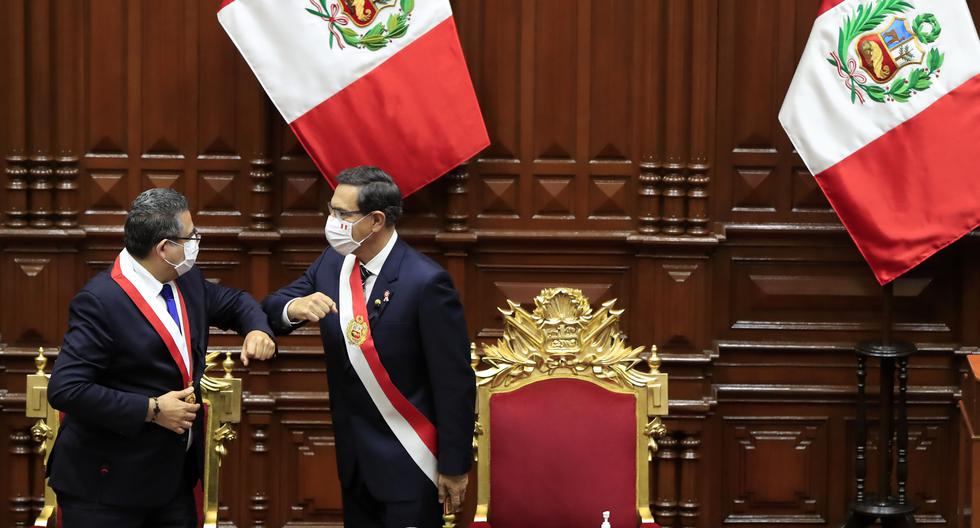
point(195, 235)
point(342, 214)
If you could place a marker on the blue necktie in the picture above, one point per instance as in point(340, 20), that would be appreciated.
point(168, 295)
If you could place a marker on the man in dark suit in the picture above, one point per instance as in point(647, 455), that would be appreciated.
point(130, 448)
point(402, 392)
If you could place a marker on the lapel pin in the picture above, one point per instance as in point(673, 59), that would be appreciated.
point(377, 302)
point(387, 295)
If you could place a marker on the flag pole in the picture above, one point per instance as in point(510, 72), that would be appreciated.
point(867, 509)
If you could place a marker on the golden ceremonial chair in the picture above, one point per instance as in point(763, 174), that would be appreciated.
point(222, 402)
point(568, 416)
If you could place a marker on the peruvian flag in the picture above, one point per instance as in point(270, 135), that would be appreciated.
point(364, 82)
point(885, 112)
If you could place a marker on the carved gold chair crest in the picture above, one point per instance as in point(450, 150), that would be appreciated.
point(568, 417)
point(222, 403)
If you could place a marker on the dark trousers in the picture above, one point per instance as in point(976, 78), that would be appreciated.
point(179, 512)
point(362, 510)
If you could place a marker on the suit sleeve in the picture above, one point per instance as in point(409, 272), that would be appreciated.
point(275, 303)
point(85, 354)
point(446, 346)
point(231, 309)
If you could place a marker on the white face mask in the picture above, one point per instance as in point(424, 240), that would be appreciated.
point(340, 235)
point(191, 248)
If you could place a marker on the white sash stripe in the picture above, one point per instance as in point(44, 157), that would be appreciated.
point(404, 431)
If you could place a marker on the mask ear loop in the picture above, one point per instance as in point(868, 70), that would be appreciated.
point(176, 244)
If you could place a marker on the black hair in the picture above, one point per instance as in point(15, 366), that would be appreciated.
point(152, 217)
point(376, 191)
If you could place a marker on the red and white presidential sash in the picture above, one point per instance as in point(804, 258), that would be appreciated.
point(414, 431)
point(158, 325)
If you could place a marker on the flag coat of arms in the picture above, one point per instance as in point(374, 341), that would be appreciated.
point(884, 109)
point(364, 82)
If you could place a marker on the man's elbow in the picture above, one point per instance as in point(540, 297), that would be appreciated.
point(57, 394)
point(61, 394)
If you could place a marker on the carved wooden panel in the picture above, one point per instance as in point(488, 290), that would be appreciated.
point(310, 487)
point(775, 470)
point(33, 311)
point(831, 294)
point(497, 282)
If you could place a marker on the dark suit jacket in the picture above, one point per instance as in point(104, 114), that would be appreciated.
point(110, 363)
point(421, 337)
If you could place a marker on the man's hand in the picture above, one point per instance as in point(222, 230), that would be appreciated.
point(311, 308)
point(452, 490)
point(257, 345)
point(175, 414)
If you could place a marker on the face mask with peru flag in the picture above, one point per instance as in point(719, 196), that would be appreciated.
point(884, 109)
point(340, 235)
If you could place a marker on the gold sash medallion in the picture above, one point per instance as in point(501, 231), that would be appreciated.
point(357, 330)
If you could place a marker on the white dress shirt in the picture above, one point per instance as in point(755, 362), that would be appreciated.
point(374, 266)
point(149, 288)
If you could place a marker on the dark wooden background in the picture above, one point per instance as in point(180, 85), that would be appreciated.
point(635, 154)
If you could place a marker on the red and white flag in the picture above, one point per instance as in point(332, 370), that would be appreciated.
point(884, 109)
point(365, 82)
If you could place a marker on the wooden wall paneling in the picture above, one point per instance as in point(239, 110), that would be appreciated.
point(704, 60)
point(13, 130)
point(497, 278)
point(679, 325)
point(682, 475)
point(67, 104)
point(826, 292)
point(650, 108)
point(40, 112)
point(258, 455)
point(765, 180)
point(677, 16)
point(775, 469)
point(31, 282)
point(111, 103)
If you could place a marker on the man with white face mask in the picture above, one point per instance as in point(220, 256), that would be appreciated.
point(402, 392)
point(127, 377)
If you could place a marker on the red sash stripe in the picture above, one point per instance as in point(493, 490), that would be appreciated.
point(155, 322)
point(423, 427)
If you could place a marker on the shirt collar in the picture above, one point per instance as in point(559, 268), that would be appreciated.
point(145, 282)
point(375, 264)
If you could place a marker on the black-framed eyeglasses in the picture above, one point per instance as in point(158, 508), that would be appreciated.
point(195, 235)
point(341, 213)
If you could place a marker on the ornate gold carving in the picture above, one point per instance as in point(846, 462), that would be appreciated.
point(563, 334)
point(562, 337)
point(222, 396)
point(41, 432)
point(45, 430)
point(654, 430)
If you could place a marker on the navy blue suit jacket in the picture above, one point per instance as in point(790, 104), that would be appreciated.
point(421, 337)
point(110, 363)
